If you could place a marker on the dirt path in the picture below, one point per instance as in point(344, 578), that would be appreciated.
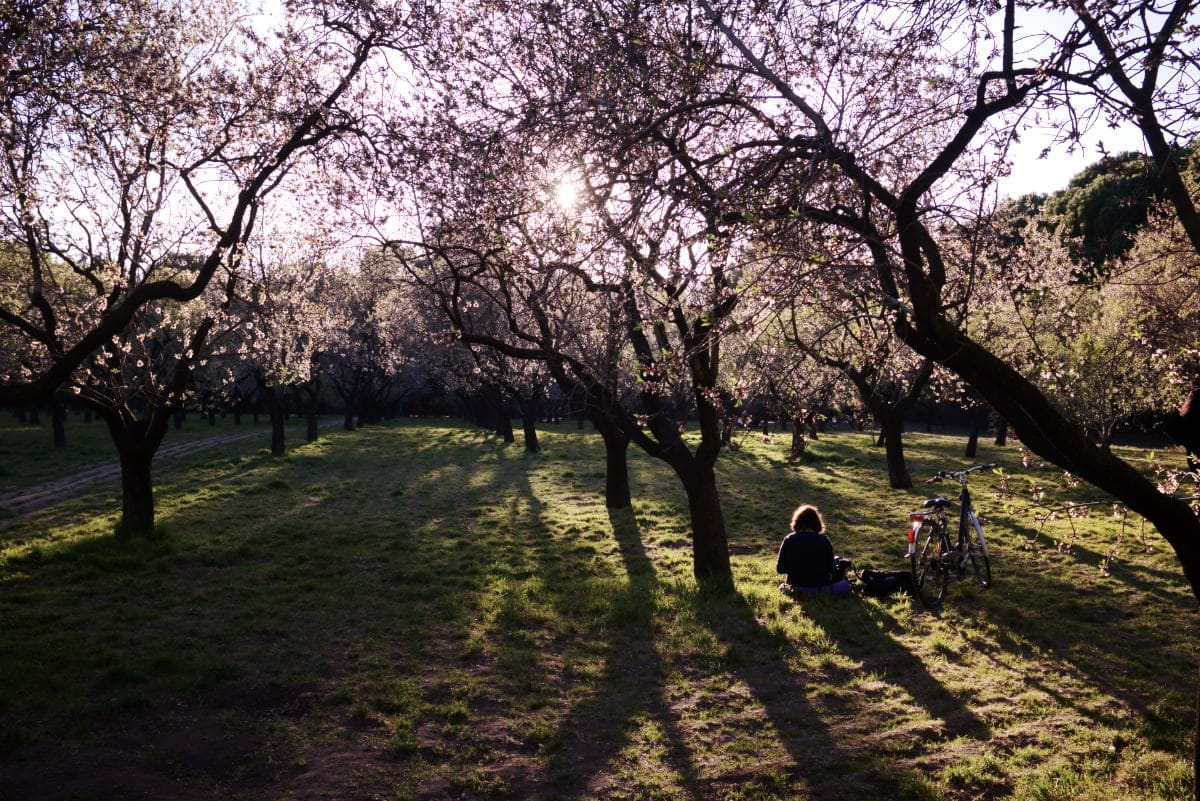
point(25, 502)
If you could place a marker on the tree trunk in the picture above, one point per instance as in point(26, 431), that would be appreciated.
point(696, 471)
point(888, 405)
point(891, 431)
point(1001, 432)
point(310, 433)
point(972, 441)
point(136, 445)
point(799, 445)
point(531, 411)
point(529, 429)
point(1034, 418)
point(58, 420)
point(979, 420)
point(1183, 426)
point(137, 490)
point(275, 410)
point(348, 420)
point(504, 425)
point(616, 455)
point(710, 544)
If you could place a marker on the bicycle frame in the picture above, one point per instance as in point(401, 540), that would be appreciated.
point(936, 558)
point(967, 516)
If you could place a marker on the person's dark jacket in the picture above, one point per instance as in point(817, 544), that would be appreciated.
point(807, 558)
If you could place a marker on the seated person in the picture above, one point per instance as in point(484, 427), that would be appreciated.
point(806, 555)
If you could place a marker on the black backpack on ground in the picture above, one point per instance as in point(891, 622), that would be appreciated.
point(841, 567)
point(881, 583)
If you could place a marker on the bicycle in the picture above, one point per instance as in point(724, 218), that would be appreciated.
point(934, 560)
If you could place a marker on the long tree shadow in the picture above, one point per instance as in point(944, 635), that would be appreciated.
point(330, 620)
point(832, 746)
point(835, 749)
point(805, 748)
point(375, 624)
point(591, 662)
point(625, 705)
point(1115, 640)
point(1129, 635)
point(866, 636)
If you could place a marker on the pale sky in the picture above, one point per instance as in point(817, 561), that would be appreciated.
point(1031, 174)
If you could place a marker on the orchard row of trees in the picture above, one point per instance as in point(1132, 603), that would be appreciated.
point(661, 209)
point(744, 200)
point(616, 223)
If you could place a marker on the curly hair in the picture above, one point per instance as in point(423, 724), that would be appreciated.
point(808, 518)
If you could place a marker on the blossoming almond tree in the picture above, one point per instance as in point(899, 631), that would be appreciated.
point(858, 99)
point(140, 141)
point(373, 335)
point(135, 131)
point(571, 86)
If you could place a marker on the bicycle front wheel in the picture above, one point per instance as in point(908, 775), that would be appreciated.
point(929, 574)
point(977, 552)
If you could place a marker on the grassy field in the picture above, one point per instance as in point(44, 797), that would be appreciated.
point(420, 611)
point(27, 455)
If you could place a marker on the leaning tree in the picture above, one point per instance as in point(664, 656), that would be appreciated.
point(856, 99)
point(884, 124)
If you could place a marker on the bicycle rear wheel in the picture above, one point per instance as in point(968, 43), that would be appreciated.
point(929, 574)
point(977, 551)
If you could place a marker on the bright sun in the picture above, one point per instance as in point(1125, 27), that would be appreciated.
point(566, 192)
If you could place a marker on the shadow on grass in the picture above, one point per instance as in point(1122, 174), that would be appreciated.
point(625, 704)
point(815, 719)
point(1111, 638)
point(359, 624)
point(1107, 633)
point(243, 621)
point(816, 756)
point(865, 635)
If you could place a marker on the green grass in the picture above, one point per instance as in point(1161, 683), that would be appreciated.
point(419, 611)
point(28, 455)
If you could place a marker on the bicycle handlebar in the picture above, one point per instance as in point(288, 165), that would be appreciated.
point(960, 475)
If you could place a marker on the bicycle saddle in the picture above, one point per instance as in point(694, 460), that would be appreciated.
point(939, 502)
